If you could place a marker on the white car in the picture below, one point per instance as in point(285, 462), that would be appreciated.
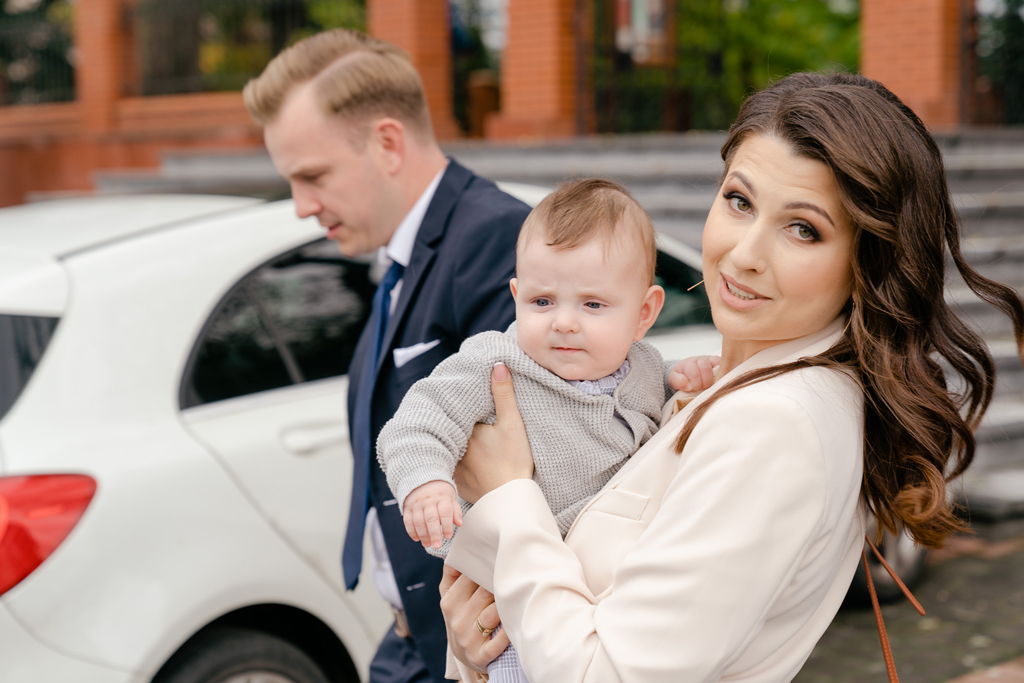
point(174, 462)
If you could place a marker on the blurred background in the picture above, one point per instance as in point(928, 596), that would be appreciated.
point(134, 96)
point(88, 86)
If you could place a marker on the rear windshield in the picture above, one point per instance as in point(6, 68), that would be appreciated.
point(23, 339)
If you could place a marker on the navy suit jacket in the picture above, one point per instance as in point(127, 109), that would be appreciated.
point(455, 286)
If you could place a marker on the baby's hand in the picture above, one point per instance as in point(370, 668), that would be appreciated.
point(696, 373)
point(431, 513)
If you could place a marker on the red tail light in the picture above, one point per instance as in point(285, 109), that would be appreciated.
point(36, 514)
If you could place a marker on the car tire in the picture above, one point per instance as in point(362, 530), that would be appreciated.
point(237, 655)
point(905, 557)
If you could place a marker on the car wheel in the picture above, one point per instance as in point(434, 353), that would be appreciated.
point(903, 555)
point(238, 655)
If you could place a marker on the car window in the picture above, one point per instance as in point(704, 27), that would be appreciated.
point(684, 303)
point(23, 339)
point(293, 320)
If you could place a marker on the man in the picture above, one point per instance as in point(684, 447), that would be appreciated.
point(346, 123)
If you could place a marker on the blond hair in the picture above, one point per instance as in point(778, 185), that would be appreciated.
point(354, 77)
point(582, 210)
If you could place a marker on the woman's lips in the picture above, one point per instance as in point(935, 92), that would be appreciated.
point(739, 296)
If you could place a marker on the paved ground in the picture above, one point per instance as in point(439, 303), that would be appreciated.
point(974, 594)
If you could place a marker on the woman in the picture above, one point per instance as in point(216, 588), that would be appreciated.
point(723, 548)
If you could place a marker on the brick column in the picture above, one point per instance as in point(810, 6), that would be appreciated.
point(101, 53)
point(421, 28)
point(538, 73)
point(915, 48)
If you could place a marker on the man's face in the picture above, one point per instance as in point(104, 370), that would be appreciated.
point(345, 187)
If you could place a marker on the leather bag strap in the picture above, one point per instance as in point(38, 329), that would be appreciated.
point(883, 636)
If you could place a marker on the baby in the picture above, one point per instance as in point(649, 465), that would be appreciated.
point(590, 392)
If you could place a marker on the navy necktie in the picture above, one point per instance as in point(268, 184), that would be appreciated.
point(363, 451)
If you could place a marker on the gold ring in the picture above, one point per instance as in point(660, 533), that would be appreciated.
point(484, 631)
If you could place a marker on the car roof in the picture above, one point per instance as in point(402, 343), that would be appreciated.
point(61, 227)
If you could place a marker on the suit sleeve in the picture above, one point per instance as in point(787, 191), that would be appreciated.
point(734, 523)
point(428, 434)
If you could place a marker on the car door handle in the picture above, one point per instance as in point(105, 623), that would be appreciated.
point(307, 439)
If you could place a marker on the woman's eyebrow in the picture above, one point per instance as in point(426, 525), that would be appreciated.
point(812, 207)
point(746, 182)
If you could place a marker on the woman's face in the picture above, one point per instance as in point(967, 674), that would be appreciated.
point(777, 249)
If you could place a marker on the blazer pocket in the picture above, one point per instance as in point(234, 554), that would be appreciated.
point(621, 503)
point(420, 366)
point(404, 355)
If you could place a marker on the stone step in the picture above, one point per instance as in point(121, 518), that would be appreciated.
point(1000, 257)
point(988, 137)
point(626, 156)
point(992, 493)
point(962, 141)
point(131, 181)
point(694, 169)
point(677, 156)
point(989, 321)
point(1000, 438)
point(1009, 369)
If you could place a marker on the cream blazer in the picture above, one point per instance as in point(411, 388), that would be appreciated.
point(723, 563)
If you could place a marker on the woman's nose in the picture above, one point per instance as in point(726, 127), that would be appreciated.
point(751, 249)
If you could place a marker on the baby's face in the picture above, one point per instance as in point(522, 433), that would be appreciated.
point(579, 310)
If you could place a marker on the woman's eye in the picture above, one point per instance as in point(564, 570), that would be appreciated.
point(738, 202)
point(805, 232)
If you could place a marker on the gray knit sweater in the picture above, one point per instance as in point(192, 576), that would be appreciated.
point(578, 440)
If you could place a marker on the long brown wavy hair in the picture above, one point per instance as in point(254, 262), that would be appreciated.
point(918, 430)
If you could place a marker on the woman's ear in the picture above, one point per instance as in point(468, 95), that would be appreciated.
point(654, 300)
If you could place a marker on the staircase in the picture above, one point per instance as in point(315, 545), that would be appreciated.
point(675, 177)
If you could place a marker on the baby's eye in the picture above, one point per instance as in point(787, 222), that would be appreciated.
point(738, 202)
point(542, 302)
point(594, 305)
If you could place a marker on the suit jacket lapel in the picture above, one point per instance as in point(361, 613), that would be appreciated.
point(435, 223)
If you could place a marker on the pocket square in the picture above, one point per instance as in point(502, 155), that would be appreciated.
point(407, 353)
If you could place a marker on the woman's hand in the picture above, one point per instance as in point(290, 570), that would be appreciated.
point(470, 617)
point(497, 453)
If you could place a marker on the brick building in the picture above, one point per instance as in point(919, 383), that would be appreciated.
point(916, 47)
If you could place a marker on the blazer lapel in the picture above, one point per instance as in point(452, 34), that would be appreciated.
point(435, 222)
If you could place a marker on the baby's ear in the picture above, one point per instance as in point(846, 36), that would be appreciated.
point(513, 284)
point(653, 301)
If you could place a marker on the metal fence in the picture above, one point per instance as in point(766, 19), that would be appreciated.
point(36, 58)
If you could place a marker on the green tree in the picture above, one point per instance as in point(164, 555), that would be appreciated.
point(730, 48)
point(724, 49)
